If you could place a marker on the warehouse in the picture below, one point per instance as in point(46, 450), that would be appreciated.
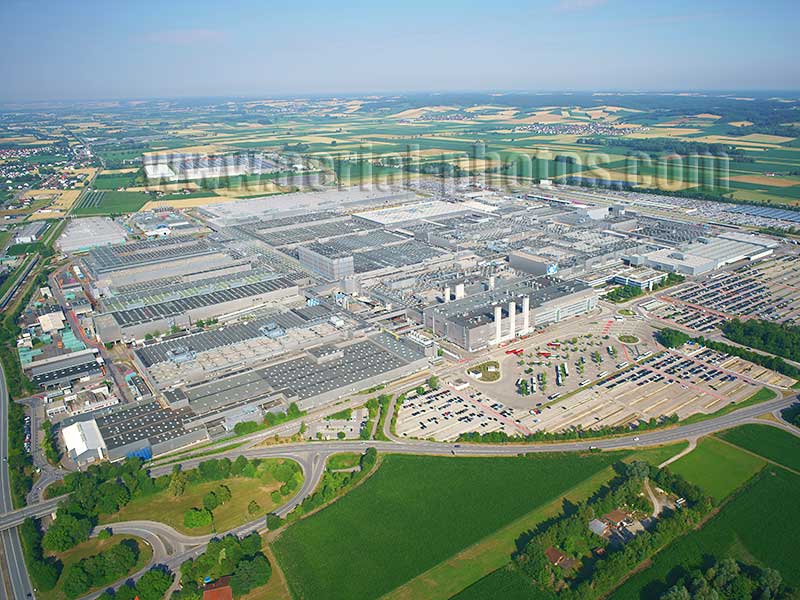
point(142, 429)
point(82, 235)
point(709, 253)
point(84, 442)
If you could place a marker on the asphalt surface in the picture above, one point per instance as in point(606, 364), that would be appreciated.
point(14, 572)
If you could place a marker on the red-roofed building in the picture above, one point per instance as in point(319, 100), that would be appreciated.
point(218, 590)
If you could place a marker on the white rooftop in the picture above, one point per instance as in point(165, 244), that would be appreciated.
point(83, 436)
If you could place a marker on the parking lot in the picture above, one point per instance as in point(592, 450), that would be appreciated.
point(681, 382)
point(542, 372)
point(766, 290)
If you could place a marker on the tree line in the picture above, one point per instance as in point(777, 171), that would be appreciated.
point(775, 338)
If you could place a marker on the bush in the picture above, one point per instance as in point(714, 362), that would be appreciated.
point(274, 521)
point(197, 517)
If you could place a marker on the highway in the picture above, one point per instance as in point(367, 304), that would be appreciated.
point(15, 583)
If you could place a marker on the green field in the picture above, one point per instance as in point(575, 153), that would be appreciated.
point(108, 203)
point(112, 182)
point(504, 584)
point(754, 527)
point(716, 467)
point(770, 442)
point(411, 515)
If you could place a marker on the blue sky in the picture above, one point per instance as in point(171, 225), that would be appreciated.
point(113, 49)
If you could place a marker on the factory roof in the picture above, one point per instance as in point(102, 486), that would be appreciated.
point(180, 306)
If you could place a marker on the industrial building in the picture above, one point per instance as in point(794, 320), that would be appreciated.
point(508, 311)
point(708, 253)
point(182, 167)
point(136, 323)
point(64, 369)
point(82, 235)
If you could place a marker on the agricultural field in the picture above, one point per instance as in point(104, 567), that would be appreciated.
point(770, 442)
point(717, 467)
point(720, 146)
point(754, 527)
point(114, 181)
point(395, 532)
point(108, 203)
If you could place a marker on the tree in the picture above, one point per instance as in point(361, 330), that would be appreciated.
point(273, 521)
point(433, 382)
point(154, 584)
point(677, 592)
point(340, 435)
point(66, 532)
point(250, 574)
point(210, 501)
point(177, 482)
point(75, 582)
point(253, 508)
point(223, 493)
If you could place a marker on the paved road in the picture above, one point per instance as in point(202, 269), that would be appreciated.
point(14, 573)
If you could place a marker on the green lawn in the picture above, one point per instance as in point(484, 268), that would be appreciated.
point(345, 460)
point(717, 467)
point(92, 547)
point(168, 509)
point(770, 442)
point(486, 374)
point(415, 512)
point(754, 527)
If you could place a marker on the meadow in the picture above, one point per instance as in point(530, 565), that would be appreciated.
point(716, 467)
point(411, 515)
point(770, 442)
point(169, 509)
point(113, 181)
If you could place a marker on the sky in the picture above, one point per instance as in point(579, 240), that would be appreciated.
point(67, 50)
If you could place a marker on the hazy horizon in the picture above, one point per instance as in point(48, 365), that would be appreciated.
point(93, 50)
